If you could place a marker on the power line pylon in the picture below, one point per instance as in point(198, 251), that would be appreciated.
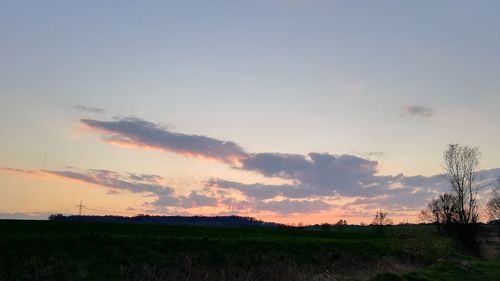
point(80, 207)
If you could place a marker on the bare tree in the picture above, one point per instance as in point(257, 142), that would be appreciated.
point(381, 219)
point(493, 206)
point(461, 164)
point(444, 209)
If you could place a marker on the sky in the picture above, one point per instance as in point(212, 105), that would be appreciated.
point(287, 111)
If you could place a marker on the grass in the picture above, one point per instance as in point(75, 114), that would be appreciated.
point(453, 268)
point(46, 250)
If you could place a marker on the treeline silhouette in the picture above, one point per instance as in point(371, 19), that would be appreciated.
point(214, 221)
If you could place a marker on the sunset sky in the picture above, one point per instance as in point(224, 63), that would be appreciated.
point(288, 111)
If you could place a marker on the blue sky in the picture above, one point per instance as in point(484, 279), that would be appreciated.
point(293, 77)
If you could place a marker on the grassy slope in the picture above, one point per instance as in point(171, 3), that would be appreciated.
point(456, 268)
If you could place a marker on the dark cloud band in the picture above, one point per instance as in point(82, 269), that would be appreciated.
point(89, 109)
point(137, 132)
point(417, 110)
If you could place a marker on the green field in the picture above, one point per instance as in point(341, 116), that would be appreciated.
point(47, 250)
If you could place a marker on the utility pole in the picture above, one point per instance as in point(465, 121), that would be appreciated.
point(80, 207)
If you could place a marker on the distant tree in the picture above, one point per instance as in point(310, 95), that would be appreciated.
point(381, 219)
point(341, 222)
point(426, 216)
point(493, 206)
point(461, 165)
point(54, 217)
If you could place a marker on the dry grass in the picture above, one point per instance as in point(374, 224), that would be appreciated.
point(187, 270)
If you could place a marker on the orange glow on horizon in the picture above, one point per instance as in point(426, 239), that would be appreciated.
point(330, 216)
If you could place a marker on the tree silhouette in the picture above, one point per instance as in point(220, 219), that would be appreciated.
point(444, 209)
point(461, 165)
point(341, 222)
point(381, 219)
point(493, 206)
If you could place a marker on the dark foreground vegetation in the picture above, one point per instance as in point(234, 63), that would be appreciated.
point(55, 250)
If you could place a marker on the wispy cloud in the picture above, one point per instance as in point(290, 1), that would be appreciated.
point(344, 174)
point(89, 109)
point(417, 110)
point(139, 183)
point(15, 170)
point(147, 184)
point(114, 180)
point(314, 175)
point(140, 133)
point(374, 154)
point(165, 195)
point(311, 177)
point(397, 193)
